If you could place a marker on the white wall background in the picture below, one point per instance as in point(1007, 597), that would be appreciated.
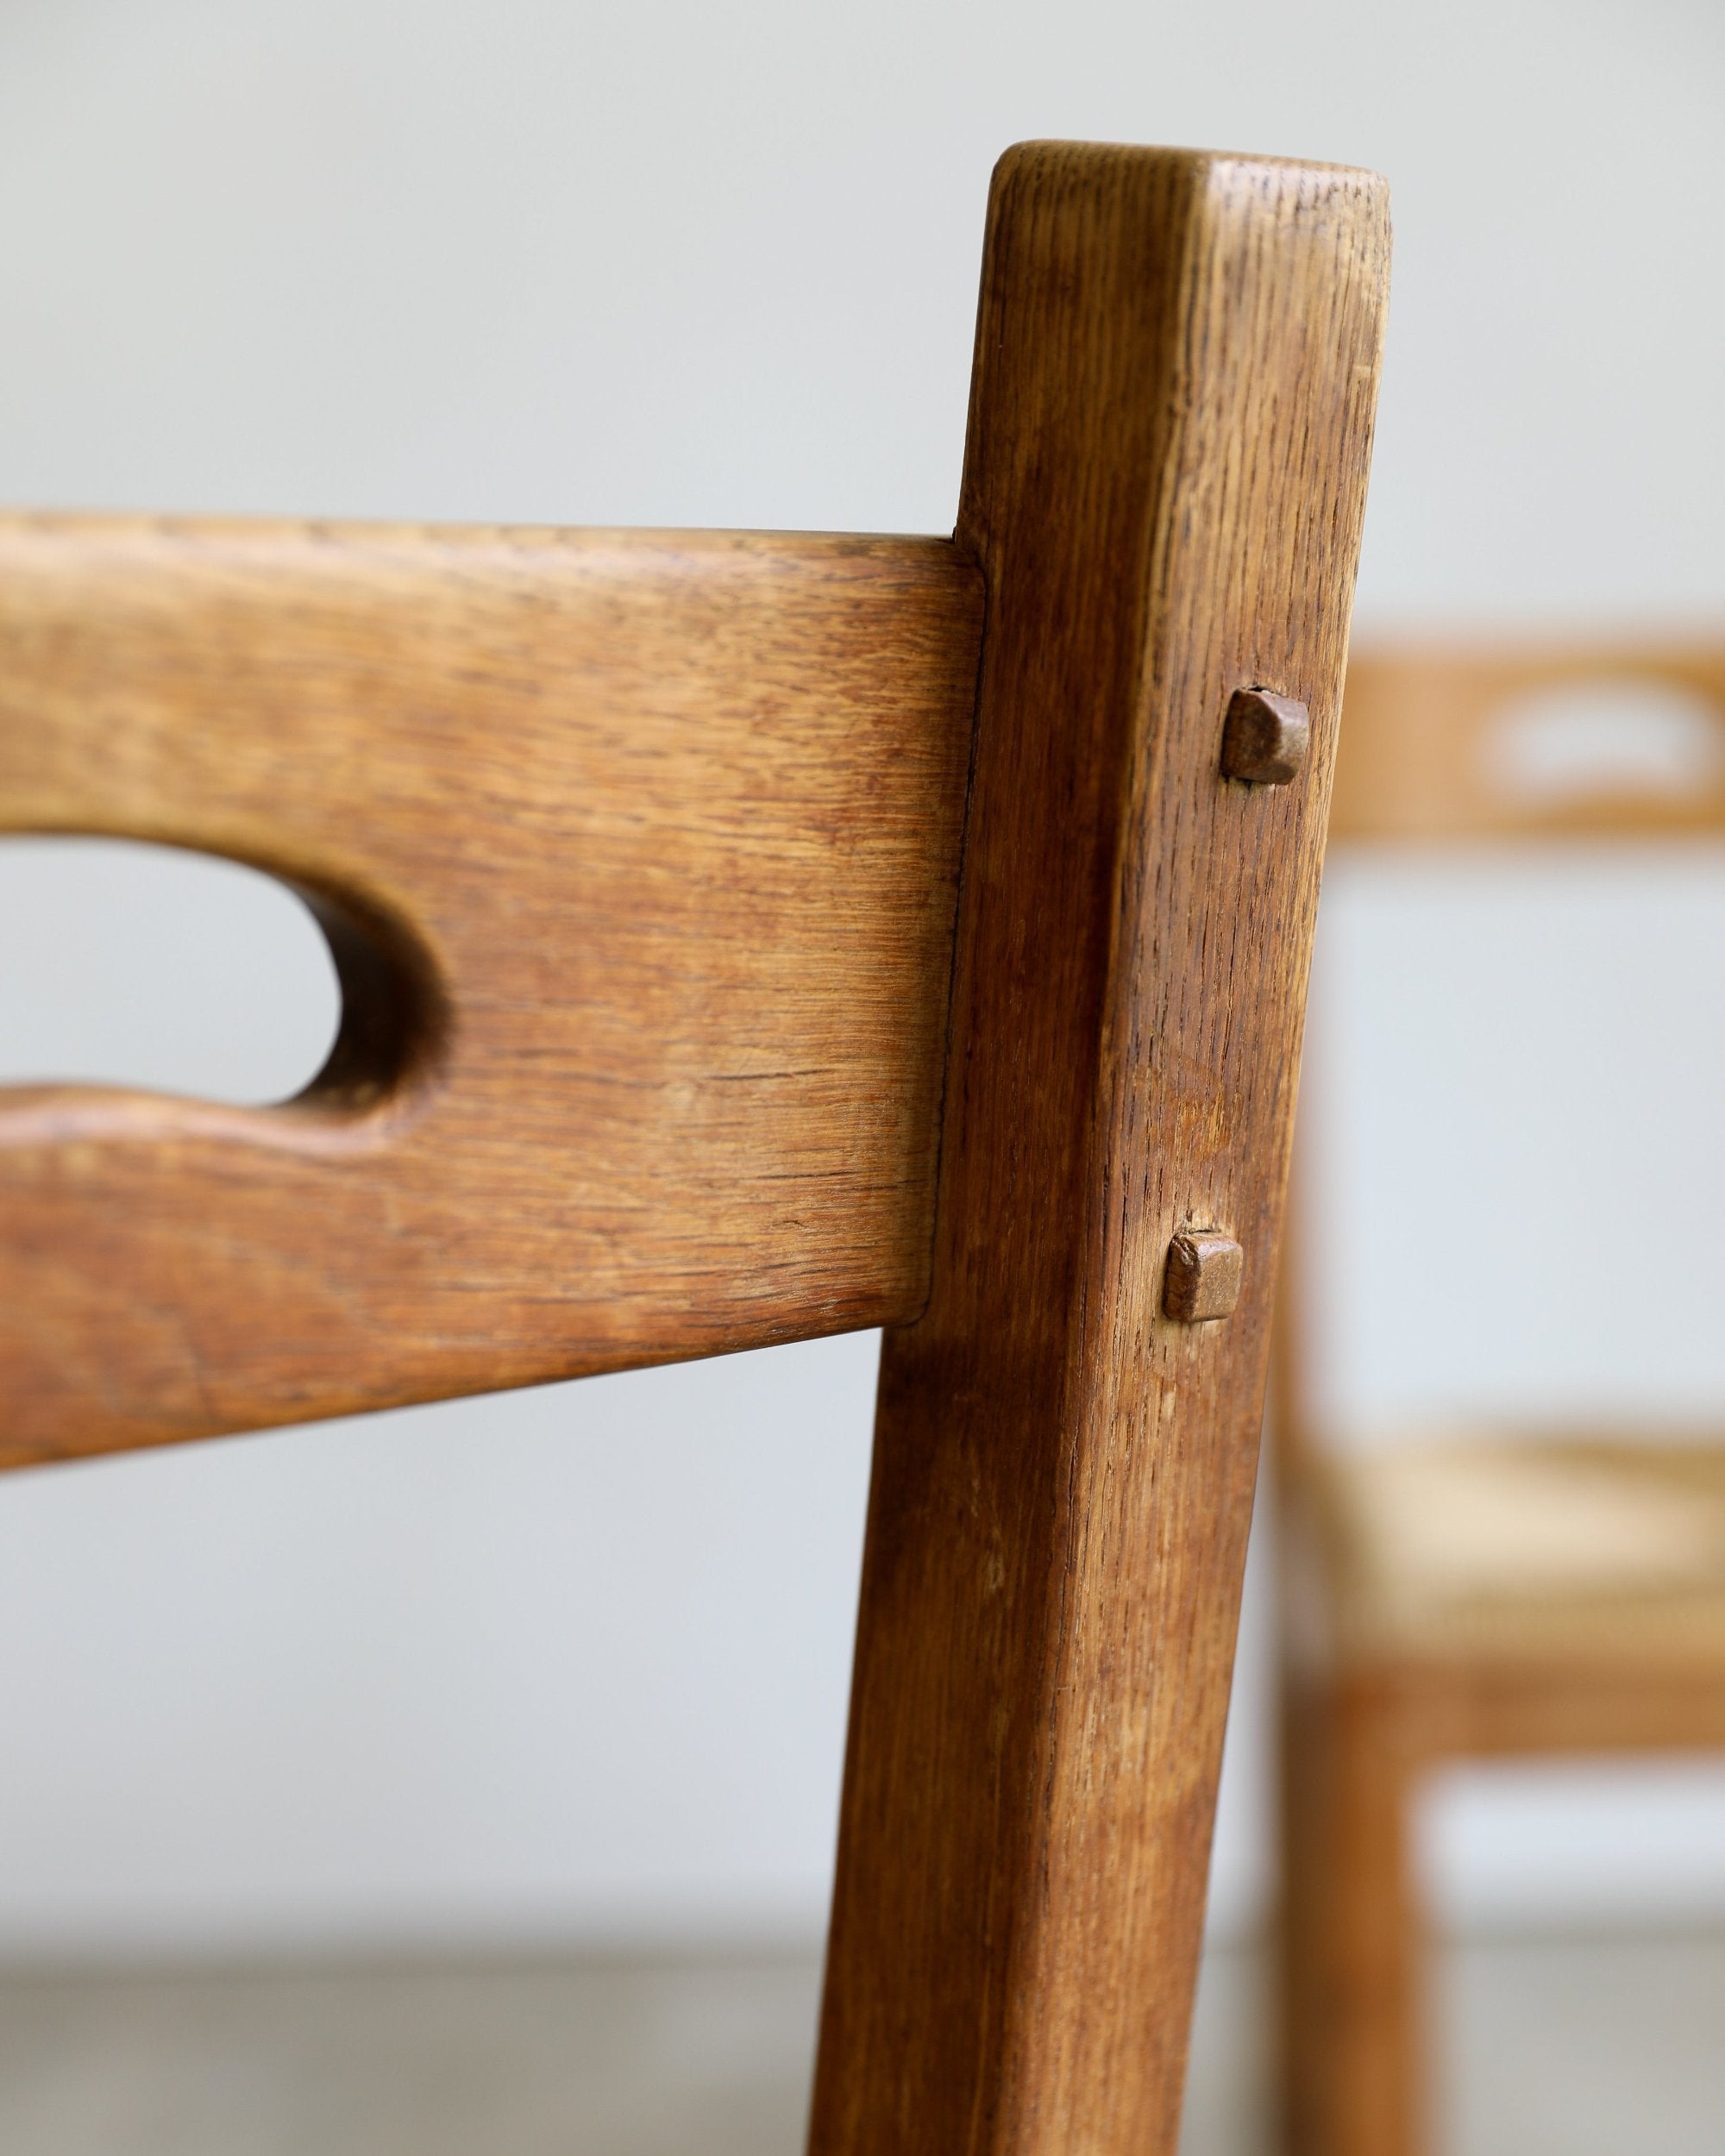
point(573, 1663)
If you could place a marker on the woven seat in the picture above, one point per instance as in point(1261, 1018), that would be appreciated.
point(1517, 1547)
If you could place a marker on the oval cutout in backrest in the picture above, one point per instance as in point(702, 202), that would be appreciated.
point(153, 968)
point(1630, 737)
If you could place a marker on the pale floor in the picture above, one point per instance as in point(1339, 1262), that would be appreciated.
point(1581, 2047)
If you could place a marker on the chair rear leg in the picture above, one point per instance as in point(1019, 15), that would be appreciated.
point(1352, 1959)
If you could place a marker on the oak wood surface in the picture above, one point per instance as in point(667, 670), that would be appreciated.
point(1176, 364)
point(640, 856)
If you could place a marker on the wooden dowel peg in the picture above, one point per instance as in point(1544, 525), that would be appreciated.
point(1265, 737)
point(1202, 1280)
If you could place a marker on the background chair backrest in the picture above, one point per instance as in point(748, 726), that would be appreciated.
point(1485, 765)
point(1446, 742)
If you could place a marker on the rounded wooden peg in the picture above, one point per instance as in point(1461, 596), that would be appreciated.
point(1202, 1279)
point(1265, 737)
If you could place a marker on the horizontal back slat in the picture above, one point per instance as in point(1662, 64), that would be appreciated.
point(1444, 742)
point(640, 852)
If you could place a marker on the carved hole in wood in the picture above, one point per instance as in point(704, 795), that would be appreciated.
point(114, 915)
point(1604, 737)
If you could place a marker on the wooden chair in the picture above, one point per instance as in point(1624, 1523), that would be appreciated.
point(746, 937)
point(1487, 1593)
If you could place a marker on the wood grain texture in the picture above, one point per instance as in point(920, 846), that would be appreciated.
point(1425, 741)
point(1176, 365)
point(640, 857)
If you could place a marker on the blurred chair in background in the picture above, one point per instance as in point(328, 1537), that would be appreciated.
point(1488, 1591)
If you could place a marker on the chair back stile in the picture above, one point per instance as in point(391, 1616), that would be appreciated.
point(1177, 362)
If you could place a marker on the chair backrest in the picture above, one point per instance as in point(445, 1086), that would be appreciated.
point(1452, 742)
point(638, 856)
point(734, 949)
point(1494, 742)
